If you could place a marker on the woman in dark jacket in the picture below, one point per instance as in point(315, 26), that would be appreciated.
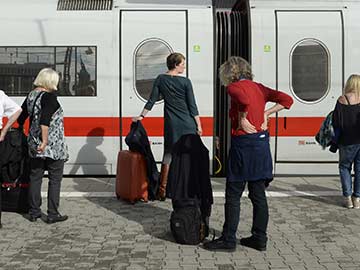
point(249, 158)
point(181, 115)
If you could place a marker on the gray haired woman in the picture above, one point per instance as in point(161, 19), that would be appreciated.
point(47, 147)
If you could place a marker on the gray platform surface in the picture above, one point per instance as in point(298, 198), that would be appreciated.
point(308, 229)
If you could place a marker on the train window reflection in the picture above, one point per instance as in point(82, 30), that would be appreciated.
point(310, 71)
point(150, 61)
point(75, 65)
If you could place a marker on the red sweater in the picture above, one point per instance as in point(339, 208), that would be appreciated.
point(251, 97)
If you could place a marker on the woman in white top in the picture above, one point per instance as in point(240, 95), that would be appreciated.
point(11, 110)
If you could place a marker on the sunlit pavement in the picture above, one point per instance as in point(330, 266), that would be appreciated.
point(308, 229)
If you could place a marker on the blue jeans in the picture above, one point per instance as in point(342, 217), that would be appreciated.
point(257, 196)
point(348, 155)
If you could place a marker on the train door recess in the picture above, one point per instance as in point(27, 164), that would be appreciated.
point(310, 69)
point(147, 38)
point(231, 39)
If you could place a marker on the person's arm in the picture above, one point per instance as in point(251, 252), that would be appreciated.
point(198, 124)
point(238, 94)
point(24, 114)
point(12, 111)
point(190, 101)
point(9, 123)
point(282, 100)
point(44, 138)
point(142, 115)
point(276, 96)
point(154, 96)
point(244, 123)
point(49, 105)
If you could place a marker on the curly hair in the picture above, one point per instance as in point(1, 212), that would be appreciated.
point(234, 69)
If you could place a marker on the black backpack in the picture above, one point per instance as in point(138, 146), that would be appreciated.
point(187, 226)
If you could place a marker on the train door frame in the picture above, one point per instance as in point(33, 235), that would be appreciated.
point(292, 134)
point(157, 112)
point(232, 28)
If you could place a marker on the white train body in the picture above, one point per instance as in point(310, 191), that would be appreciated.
point(121, 45)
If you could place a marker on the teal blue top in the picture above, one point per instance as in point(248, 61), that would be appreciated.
point(180, 106)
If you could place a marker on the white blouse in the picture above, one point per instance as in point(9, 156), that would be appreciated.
point(7, 107)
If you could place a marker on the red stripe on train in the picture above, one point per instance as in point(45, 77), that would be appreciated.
point(110, 126)
point(296, 126)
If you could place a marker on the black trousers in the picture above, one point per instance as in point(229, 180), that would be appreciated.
point(257, 196)
point(55, 170)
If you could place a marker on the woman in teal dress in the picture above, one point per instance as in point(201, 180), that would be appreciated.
point(181, 115)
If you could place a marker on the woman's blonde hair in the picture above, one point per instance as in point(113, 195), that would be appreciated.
point(353, 85)
point(234, 69)
point(47, 78)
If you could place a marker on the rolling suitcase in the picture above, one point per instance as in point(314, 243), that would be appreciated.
point(131, 178)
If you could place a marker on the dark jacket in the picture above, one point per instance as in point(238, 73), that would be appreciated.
point(189, 176)
point(138, 141)
point(13, 157)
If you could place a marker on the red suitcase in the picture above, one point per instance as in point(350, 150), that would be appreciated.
point(131, 178)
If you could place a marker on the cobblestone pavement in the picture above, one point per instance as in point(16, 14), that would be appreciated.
point(305, 232)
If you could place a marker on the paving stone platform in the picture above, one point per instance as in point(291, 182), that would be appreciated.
point(308, 229)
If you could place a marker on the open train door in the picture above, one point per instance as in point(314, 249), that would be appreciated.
point(310, 69)
point(147, 37)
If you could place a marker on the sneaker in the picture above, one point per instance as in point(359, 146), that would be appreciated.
point(348, 202)
point(355, 202)
point(253, 243)
point(220, 245)
point(54, 219)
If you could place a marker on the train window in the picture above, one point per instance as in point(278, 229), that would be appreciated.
point(150, 61)
point(76, 66)
point(310, 71)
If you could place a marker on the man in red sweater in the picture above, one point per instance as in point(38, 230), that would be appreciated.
point(249, 157)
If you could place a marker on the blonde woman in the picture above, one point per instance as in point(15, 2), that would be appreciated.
point(47, 147)
point(346, 118)
point(249, 157)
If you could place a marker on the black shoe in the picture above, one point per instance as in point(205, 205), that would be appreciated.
point(253, 243)
point(34, 218)
point(54, 219)
point(220, 244)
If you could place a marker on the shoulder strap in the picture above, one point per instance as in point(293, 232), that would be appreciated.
point(347, 99)
point(33, 108)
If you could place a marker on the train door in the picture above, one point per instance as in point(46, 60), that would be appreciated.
point(310, 69)
point(147, 38)
point(232, 39)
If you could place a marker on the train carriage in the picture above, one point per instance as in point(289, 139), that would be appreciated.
point(108, 53)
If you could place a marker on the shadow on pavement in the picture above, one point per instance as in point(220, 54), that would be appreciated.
point(154, 219)
point(331, 200)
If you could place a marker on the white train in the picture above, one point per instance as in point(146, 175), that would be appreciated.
point(109, 51)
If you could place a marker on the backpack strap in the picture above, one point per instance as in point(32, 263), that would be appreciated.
point(347, 99)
